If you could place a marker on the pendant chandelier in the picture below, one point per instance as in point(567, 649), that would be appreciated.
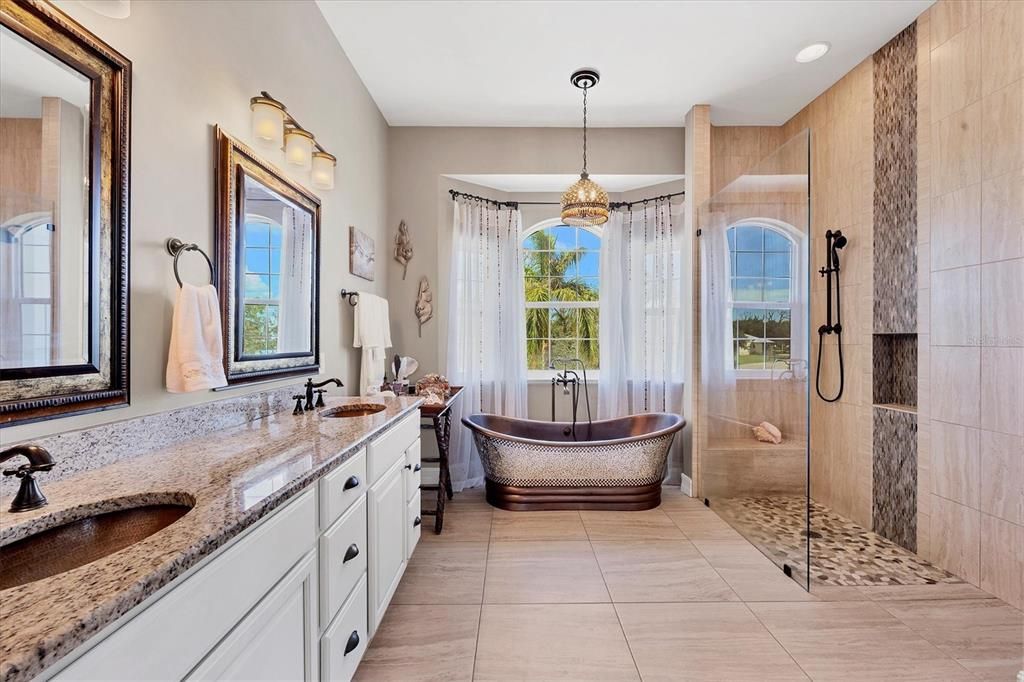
point(585, 203)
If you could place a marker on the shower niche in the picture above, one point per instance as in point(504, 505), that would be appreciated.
point(894, 357)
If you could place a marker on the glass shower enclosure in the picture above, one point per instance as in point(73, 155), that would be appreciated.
point(753, 415)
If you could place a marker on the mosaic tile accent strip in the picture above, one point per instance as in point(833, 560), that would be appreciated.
point(894, 357)
point(895, 196)
point(894, 477)
point(845, 554)
point(97, 446)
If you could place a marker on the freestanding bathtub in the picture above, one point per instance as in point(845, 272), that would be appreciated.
point(613, 464)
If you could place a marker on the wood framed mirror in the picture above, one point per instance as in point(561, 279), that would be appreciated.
point(65, 99)
point(268, 258)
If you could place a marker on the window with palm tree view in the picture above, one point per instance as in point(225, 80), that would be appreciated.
point(262, 291)
point(761, 261)
point(563, 286)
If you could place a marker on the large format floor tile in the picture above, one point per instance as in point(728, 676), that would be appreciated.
point(444, 573)
point(652, 524)
point(985, 635)
point(659, 571)
point(703, 525)
point(552, 642)
point(703, 642)
point(543, 573)
point(854, 641)
point(423, 643)
point(460, 526)
point(541, 525)
point(749, 573)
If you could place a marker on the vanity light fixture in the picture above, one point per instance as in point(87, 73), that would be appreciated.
point(585, 203)
point(813, 52)
point(273, 125)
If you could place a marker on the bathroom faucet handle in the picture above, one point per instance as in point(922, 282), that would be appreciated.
point(320, 397)
point(298, 398)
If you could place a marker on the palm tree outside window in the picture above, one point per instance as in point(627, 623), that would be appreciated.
point(563, 286)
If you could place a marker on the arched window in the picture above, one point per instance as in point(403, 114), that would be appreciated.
point(561, 268)
point(764, 275)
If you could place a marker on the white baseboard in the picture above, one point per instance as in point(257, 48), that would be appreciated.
point(686, 485)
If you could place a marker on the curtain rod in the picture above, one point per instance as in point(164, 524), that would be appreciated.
point(516, 204)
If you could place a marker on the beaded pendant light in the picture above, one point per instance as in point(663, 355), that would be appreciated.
point(585, 203)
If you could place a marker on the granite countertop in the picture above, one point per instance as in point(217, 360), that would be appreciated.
point(235, 477)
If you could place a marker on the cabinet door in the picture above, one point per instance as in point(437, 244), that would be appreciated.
point(277, 640)
point(387, 510)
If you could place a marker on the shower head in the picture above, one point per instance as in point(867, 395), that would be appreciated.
point(838, 240)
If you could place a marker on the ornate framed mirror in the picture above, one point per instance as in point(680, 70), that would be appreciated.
point(65, 100)
point(268, 257)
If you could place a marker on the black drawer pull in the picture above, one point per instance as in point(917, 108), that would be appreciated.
point(418, 467)
point(408, 466)
point(353, 642)
point(417, 521)
point(351, 553)
point(352, 482)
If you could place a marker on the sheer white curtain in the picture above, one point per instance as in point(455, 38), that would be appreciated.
point(486, 326)
point(643, 314)
point(296, 281)
point(718, 377)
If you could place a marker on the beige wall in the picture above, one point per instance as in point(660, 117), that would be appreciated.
point(971, 254)
point(196, 64)
point(418, 194)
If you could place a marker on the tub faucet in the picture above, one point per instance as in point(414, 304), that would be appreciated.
point(29, 495)
point(566, 378)
point(320, 399)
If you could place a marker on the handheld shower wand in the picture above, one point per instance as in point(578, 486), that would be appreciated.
point(834, 241)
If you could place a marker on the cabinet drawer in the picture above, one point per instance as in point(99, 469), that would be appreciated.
point(342, 487)
point(342, 559)
point(414, 527)
point(412, 470)
point(383, 452)
point(173, 634)
point(345, 641)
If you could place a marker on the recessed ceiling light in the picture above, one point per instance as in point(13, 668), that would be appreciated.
point(812, 52)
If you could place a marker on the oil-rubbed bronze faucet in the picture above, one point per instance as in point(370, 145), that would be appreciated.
point(320, 399)
point(29, 495)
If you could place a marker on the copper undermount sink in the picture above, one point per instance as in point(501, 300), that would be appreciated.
point(76, 543)
point(353, 410)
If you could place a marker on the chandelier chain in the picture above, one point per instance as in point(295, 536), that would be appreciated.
point(585, 129)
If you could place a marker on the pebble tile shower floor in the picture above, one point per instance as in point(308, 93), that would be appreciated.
point(673, 593)
point(842, 552)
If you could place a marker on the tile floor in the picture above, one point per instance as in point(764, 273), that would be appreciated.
point(669, 594)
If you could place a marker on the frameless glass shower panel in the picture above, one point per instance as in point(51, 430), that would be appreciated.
point(752, 430)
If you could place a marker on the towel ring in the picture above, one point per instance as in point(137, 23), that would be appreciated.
point(176, 247)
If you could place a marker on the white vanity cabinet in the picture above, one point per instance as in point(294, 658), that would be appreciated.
point(296, 596)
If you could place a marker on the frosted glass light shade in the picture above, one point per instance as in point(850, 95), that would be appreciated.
point(298, 148)
point(322, 175)
point(267, 121)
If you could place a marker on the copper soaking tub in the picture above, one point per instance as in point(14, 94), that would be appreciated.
point(611, 464)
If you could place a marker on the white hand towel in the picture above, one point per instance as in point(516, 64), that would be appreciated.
point(372, 333)
point(196, 355)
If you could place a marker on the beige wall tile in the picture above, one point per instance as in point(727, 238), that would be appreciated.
point(924, 548)
point(949, 17)
point(1002, 393)
point(956, 150)
point(956, 307)
point(955, 538)
point(956, 228)
point(1002, 137)
point(1002, 476)
point(955, 472)
point(955, 385)
point(1002, 213)
point(1002, 303)
point(1002, 45)
point(1002, 559)
point(956, 72)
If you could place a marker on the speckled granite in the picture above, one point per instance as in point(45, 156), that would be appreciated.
point(236, 476)
point(93, 447)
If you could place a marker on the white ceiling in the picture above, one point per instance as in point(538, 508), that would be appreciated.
point(507, 63)
point(540, 182)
